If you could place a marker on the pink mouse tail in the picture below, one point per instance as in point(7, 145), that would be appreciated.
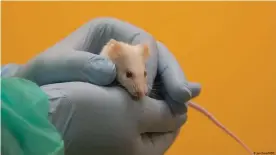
point(215, 121)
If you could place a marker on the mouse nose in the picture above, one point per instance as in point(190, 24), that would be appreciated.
point(139, 94)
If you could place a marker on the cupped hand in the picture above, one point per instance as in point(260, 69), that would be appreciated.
point(96, 119)
point(106, 121)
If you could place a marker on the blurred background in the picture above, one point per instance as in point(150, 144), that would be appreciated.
point(228, 47)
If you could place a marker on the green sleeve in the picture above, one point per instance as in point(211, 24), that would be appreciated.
point(24, 115)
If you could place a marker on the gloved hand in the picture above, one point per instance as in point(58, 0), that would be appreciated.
point(104, 120)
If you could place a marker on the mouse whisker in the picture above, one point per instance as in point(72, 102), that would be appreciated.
point(154, 87)
point(154, 93)
point(154, 90)
point(154, 96)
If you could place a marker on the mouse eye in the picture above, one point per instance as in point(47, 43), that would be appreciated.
point(145, 73)
point(129, 74)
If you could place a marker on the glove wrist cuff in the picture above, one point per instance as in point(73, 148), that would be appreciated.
point(9, 70)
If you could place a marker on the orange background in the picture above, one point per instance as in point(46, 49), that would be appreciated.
point(229, 47)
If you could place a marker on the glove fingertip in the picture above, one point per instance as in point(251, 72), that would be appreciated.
point(195, 89)
point(100, 71)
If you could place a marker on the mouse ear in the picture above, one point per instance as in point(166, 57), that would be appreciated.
point(145, 50)
point(114, 49)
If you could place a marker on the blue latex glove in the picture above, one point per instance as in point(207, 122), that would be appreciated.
point(105, 120)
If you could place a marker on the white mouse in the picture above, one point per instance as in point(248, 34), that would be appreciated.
point(130, 63)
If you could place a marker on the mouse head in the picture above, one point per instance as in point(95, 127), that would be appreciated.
point(130, 61)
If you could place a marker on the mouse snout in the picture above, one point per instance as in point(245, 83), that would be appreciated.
point(146, 90)
point(139, 94)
